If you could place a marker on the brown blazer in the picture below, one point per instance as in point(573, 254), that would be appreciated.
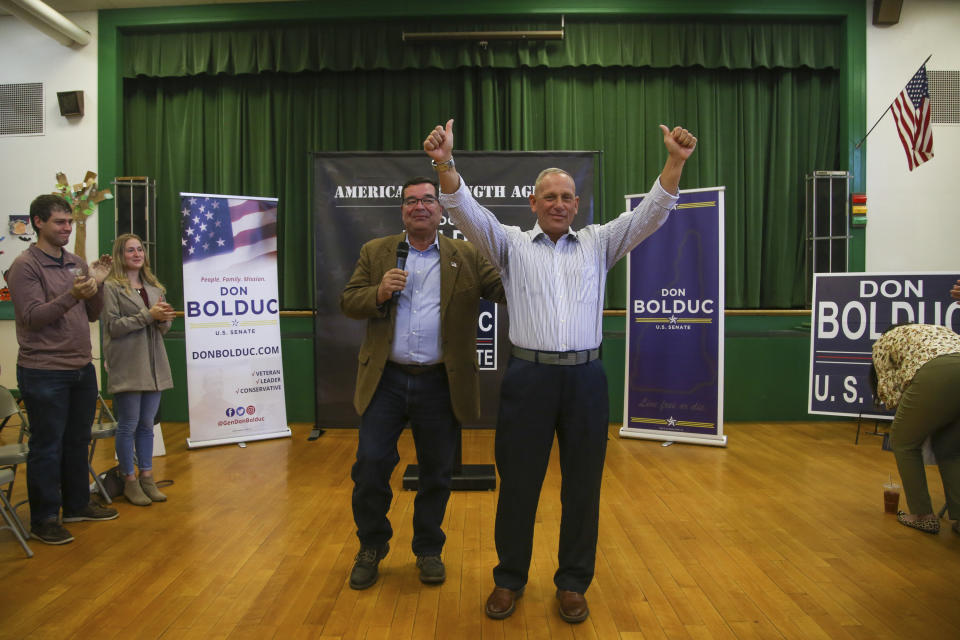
point(465, 277)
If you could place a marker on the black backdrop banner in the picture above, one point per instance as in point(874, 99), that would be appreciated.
point(356, 198)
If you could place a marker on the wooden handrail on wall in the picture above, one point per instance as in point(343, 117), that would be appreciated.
point(732, 312)
point(609, 313)
point(306, 313)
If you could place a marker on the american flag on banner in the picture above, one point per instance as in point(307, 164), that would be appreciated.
point(222, 231)
point(911, 112)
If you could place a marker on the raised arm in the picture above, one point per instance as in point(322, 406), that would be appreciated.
point(680, 144)
point(630, 229)
point(478, 223)
point(439, 146)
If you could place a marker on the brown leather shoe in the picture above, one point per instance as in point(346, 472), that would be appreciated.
point(573, 606)
point(502, 602)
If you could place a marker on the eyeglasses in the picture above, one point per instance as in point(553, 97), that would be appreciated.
point(426, 200)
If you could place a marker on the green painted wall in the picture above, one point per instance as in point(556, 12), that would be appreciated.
point(766, 368)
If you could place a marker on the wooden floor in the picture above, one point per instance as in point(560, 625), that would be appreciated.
point(780, 535)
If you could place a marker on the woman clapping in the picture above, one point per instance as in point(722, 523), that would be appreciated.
point(134, 319)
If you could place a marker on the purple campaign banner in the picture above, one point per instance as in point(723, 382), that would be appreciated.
point(850, 311)
point(674, 360)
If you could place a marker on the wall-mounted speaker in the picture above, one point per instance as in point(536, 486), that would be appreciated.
point(71, 103)
point(886, 12)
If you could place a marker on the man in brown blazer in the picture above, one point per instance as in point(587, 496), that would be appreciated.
point(417, 363)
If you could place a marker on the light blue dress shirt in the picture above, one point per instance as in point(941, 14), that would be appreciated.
point(555, 291)
point(416, 333)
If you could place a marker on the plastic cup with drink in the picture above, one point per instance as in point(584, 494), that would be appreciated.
point(891, 495)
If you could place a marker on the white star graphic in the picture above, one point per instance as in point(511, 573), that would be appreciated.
point(209, 215)
point(221, 242)
point(191, 250)
point(184, 242)
point(196, 220)
point(215, 204)
point(190, 232)
point(673, 319)
point(203, 227)
point(671, 422)
point(186, 212)
point(193, 201)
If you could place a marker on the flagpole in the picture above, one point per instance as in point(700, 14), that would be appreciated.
point(887, 110)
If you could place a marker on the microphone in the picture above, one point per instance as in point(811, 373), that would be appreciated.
point(402, 250)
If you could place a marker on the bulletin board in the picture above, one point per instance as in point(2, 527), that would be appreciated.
point(16, 234)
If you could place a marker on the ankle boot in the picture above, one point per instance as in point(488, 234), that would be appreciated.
point(150, 489)
point(134, 494)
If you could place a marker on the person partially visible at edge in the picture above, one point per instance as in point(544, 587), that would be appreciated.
point(916, 370)
point(554, 281)
point(56, 296)
point(417, 363)
point(134, 319)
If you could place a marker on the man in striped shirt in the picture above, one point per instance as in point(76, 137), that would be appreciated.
point(554, 282)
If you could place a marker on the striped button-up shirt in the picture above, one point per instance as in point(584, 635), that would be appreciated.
point(555, 291)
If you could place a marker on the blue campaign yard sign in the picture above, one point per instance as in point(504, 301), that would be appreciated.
point(850, 311)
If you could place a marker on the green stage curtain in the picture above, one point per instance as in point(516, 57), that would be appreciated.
point(368, 46)
point(760, 132)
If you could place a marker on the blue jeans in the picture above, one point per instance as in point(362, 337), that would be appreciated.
point(424, 400)
point(136, 411)
point(60, 407)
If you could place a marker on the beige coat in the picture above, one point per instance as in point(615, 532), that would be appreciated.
point(465, 277)
point(133, 351)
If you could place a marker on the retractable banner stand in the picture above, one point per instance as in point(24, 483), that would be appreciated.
point(850, 311)
point(231, 319)
point(674, 360)
point(356, 198)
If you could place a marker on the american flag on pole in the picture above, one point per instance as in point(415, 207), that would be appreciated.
point(221, 231)
point(911, 112)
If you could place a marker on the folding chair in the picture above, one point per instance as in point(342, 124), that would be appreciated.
point(104, 426)
point(12, 455)
point(10, 516)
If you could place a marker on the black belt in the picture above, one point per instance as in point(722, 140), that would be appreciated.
point(415, 369)
point(557, 357)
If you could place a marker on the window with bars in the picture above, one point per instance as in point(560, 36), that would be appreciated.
point(827, 224)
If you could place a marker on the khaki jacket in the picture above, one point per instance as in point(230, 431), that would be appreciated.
point(133, 351)
point(465, 277)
